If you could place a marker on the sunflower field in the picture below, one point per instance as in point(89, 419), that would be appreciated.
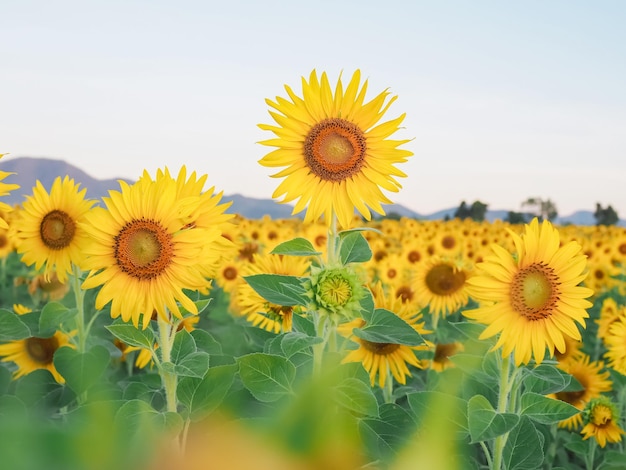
point(155, 329)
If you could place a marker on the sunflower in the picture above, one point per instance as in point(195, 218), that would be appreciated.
point(381, 358)
point(442, 352)
point(601, 421)
point(593, 380)
point(5, 188)
point(615, 342)
point(152, 240)
point(48, 231)
point(336, 155)
point(247, 302)
point(610, 312)
point(35, 353)
point(531, 299)
point(441, 284)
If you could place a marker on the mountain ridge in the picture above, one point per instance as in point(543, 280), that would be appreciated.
point(27, 170)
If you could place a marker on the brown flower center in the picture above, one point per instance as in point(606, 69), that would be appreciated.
point(335, 149)
point(380, 349)
point(144, 249)
point(443, 279)
point(444, 351)
point(534, 291)
point(41, 350)
point(230, 273)
point(448, 242)
point(57, 230)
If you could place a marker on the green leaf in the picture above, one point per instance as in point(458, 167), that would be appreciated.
point(443, 407)
point(5, 380)
point(193, 365)
point(613, 460)
point(546, 410)
point(206, 342)
point(53, 315)
point(484, 422)
point(294, 342)
point(383, 326)
point(267, 377)
point(11, 327)
point(354, 248)
point(39, 389)
point(296, 247)
point(545, 379)
point(356, 396)
point(201, 305)
point(523, 449)
point(183, 346)
point(279, 289)
point(203, 396)
point(385, 436)
point(81, 371)
point(139, 416)
point(132, 336)
point(12, 408)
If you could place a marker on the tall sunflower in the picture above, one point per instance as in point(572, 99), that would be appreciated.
point(47, 229)
point(531, 299)
point(5, 189)
point(150, 241)
point(380, 359)
point(336, 155)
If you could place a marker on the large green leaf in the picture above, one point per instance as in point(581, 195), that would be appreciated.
point(383, 326)
point(545, 379)
point(484, 422)
point(354, 248)
point(296, 247)
point(206, 342)
point(53, 315)
point(11, 327)
point(523, 449)
point(183, 346)
point(546, 410)
point(383, 437)
point(139, 416)
point(203, 395)
point(444, 407)
point(294, 342)
point(279, 289)
point(195, 364)
point(132, 336)
point(268, 377)
point(356, 396)
point(81, 370)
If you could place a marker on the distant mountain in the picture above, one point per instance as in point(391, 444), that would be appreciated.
point(28, 170)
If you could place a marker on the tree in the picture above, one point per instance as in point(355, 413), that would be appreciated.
point(516, 218)
point(606, 216)
point(476, 212)
point(462, 212)
point(543, 209)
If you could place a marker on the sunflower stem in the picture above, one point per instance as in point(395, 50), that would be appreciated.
point(503, 403)
point(168, 377)
point(332, 240)
point(318, 349)
point(388, 388)
point(590, 456)
point(79, 296)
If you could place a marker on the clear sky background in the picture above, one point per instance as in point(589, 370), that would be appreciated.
point(504, 99)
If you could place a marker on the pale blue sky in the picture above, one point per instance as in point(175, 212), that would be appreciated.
point(504, 99)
